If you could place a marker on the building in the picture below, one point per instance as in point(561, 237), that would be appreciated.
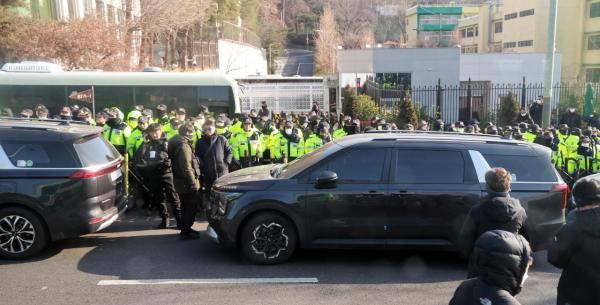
point(435, 26)
point(111, 10)
point(516, 26)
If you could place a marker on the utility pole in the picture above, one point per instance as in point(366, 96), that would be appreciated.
point(549, 68)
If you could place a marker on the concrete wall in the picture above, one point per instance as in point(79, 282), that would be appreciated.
point(240, 60)
point(506, 68)
point(425, 65)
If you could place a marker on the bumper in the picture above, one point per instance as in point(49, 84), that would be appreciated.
point(108, 218)
point(212, 234)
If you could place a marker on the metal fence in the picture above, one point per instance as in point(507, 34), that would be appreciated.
point(283, 96)
point(473, 99)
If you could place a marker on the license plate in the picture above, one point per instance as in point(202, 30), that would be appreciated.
point(115, 175)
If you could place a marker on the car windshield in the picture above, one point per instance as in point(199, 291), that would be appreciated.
point(292, 168)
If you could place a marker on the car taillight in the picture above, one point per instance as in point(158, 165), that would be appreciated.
point(97, 172)
point(564, 189)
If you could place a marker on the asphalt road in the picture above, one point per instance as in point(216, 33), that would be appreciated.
point(295, 62)
point(69, 273)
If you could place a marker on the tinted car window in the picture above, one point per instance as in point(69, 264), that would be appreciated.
point(39, 155)
point(95, 151)
point(359, 165)
point(524, 168)
point(427, 166)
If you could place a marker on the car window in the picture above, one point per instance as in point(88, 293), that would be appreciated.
point(39, 154)
point(429, 166)
point(524, 168)
point(95, 151)
point(359, 165)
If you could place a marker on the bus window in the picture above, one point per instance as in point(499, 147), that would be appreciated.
point(111, 96)
point(19, 97)
point(172, 97)
point(218, 99)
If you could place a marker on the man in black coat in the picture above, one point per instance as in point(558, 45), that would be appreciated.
point(536, 109)
point(502, 262)
point(576, 248)
point(497, 211)
point(571, 118)
point(214, 154)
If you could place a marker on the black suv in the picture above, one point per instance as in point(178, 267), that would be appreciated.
point(394, 190)
point(57, 180)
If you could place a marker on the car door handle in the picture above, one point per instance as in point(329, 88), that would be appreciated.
point(372, 194)
point(402, 193)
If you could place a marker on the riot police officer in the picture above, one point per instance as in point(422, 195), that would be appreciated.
point(153, 163)
point(116, 131)
point(136, 138)
point(246, 145)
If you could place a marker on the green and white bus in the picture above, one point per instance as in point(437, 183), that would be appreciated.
point(214, 90)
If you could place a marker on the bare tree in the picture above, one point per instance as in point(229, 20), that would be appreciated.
point(87, 43)
point(355, 18)
point(326, 43)
point(174, 20)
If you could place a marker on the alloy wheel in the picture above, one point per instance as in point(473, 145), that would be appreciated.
point(17, 234)
point(269, 240)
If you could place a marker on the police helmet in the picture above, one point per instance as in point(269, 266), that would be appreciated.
point(469, 129)
point(161, 107)
point(586, 192)
point(535, 128)
point(576, 131)
point(492, 130)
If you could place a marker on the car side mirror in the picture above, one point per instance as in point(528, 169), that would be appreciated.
point(326, 179)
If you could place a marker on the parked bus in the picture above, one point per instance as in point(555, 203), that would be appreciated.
point(214, 90)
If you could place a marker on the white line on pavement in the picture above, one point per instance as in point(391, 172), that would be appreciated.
point(210, 281)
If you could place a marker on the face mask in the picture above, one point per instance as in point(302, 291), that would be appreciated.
point(571, 110)
point(523, 113)
point(288, 131)
point(585, 145)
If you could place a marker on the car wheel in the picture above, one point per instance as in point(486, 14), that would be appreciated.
point(22, 234)
point(268, 239)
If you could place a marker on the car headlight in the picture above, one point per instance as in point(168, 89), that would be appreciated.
point(226, 198)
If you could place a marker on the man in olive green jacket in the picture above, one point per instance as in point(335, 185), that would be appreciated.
point(186, 174)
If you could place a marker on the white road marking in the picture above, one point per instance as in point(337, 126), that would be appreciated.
point(309, 280)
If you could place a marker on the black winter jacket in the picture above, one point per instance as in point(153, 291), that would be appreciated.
point(476, 292)
point(576, 250)
point(215, 159)
point(500, 270)
point(152, 159)
point(497, 211)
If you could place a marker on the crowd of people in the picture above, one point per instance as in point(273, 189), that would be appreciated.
point(176, 158)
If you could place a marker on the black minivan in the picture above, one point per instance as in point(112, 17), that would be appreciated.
point(395, 190)
point(57, 180)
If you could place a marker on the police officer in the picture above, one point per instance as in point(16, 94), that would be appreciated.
point(340, 132)
point(136, 138)
point(186, 175)
point(116, 131)
point(315, 141)
point(162, 116)
point(570, 156)
point(153, 163)
point(101, 118)
point(246, 146)
point(291, 142)
point(222, 129)
point(585, 155)
point(173, 129)
point(132, 118)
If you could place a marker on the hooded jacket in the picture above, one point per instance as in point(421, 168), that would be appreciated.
point(497, 211)
point(576, 250)
point(501, 261)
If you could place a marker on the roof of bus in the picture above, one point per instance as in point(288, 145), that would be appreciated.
point(205, 78)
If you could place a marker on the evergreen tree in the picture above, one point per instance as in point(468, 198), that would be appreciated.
point(508, 110)
point(406, 112)
point(364, 108)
